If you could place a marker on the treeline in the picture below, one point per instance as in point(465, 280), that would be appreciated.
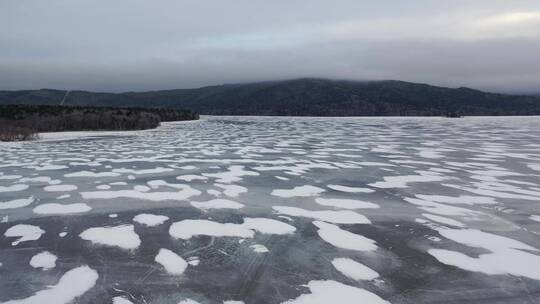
point(302, 97)
point(22, 122)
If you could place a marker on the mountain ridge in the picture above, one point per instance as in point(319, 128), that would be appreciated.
point(301, 97)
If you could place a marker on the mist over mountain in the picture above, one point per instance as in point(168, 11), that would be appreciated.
point(300, 97)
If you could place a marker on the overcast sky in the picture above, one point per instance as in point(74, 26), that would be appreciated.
point(121, 45)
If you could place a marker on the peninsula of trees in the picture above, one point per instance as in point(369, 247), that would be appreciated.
point(23, 122)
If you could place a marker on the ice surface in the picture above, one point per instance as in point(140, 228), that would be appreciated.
point(443, 220)
point(457, 210)
point(72, 284)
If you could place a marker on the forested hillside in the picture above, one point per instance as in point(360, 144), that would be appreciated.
point(303, 97)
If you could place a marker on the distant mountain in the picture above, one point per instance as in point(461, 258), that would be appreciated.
point(303, 97)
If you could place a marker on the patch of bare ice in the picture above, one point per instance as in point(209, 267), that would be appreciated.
point(443, 220)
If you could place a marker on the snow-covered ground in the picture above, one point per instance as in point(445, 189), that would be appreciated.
point(275, 210)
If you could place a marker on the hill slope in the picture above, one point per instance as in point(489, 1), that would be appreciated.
point(313, 97)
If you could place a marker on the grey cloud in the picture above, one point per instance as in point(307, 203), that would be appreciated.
point(141, 45)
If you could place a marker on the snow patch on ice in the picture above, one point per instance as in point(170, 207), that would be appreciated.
point(324, 292)
point(300, 191)
point(234, 174)
point(338, 217)
point(55, 208)
point(345, 203)
point(92, 174)
point(191, 177)
point(17, 203)
point(258, 248)
point(354, 270)
point(24, 232)
point(60, 188)
point(150, 220)
point(44, 260)
point(123, 236)
point(13, 188)
point(217, 204)
point(121, 300)
point(340, 238)
point(186, 229)
point(173, 263)
point(517, 261)
point(232, 190)
point(350, 189)
point(402, 181)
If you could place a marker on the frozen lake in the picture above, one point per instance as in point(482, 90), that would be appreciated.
point(275, 210)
